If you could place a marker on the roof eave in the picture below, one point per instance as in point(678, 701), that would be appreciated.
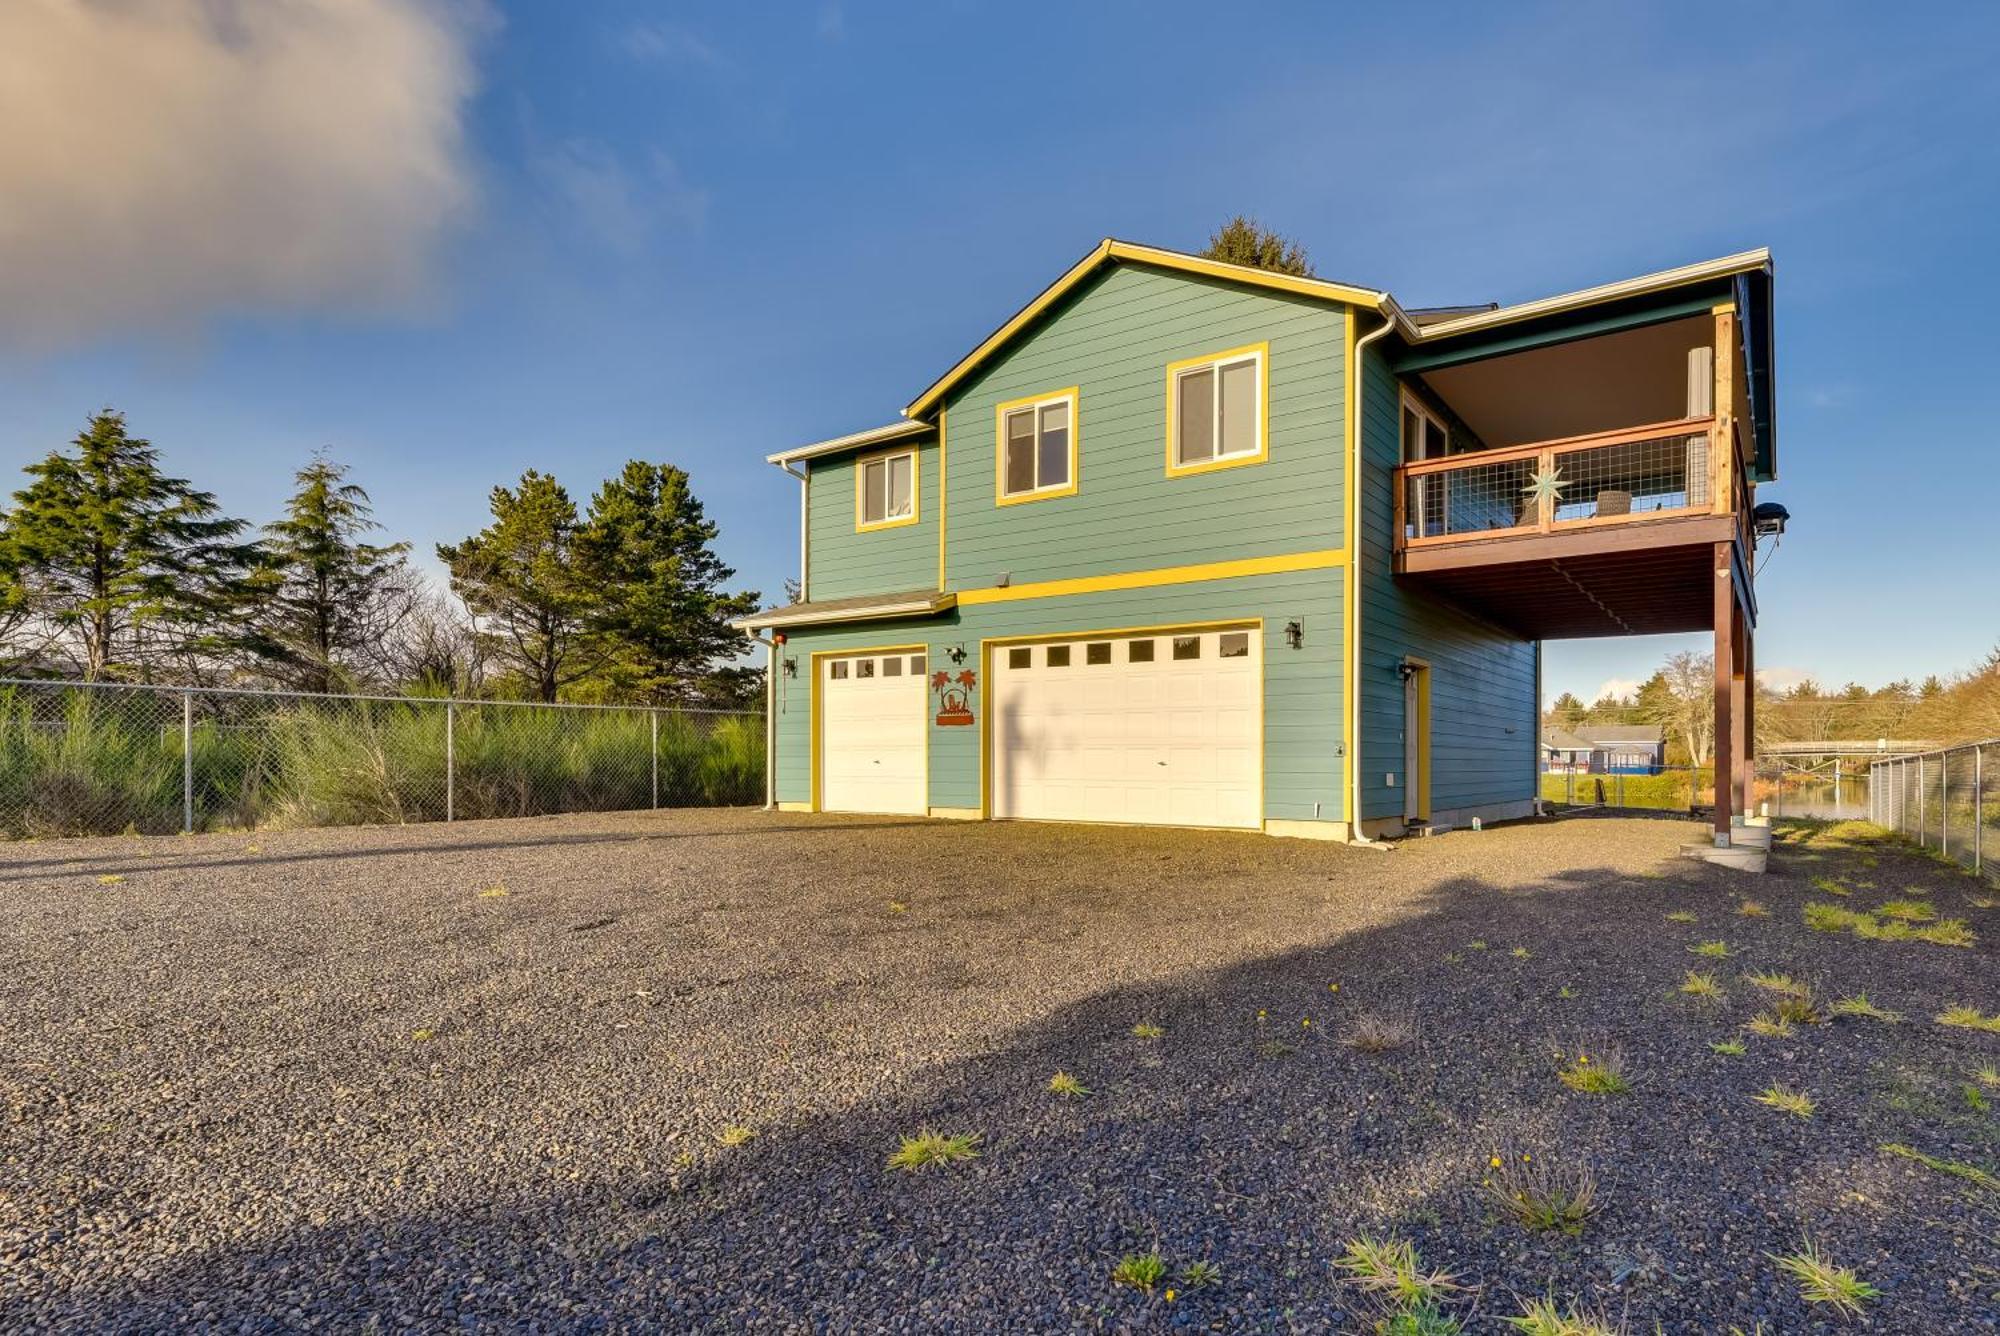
point(860, 440)
point(781, 618)
point(1727, 266)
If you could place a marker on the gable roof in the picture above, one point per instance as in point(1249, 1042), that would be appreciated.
point(1603, 733)
point(1111, 251)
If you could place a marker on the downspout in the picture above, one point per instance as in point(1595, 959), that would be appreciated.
point(770, 720)
point(1355, 545)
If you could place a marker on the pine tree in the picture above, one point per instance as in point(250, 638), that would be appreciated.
point(664, 611)
point(1245, 241)
point(128, 566)
point(328, 601)
point(523, 580)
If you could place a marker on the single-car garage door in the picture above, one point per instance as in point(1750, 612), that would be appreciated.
point(871, 733)
point(1153, 730)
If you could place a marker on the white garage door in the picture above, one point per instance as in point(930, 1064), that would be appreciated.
point(871, 722)
point(1152, 730)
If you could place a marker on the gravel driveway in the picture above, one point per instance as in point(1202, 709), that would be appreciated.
point(476, 1076)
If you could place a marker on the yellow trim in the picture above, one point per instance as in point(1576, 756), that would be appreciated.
point(1422, 779)
point(1325, 559)
point(813, 720)
point(1350, 603)
point(955, 813)
point(795, 807)
point(1262, 352)
point(991, 643)
point(1109, 251)
point(1034, 401)
point(944, 501)
point(861, 463)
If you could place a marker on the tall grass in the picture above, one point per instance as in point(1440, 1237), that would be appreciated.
point(91, 762)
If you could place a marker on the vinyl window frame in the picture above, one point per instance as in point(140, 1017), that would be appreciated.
point(862, 524)
point(1036, 403)
point(1260, 354)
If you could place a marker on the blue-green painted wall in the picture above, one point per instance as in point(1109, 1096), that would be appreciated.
point(845, 561)
point(1114, 339)
point(1483, 709)
point(1302, 691)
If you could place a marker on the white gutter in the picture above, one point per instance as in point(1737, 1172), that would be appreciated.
point(895, 431)
point(1725, 267)
point(1357, 543)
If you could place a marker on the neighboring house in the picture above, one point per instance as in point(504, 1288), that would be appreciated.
point(1605, 749)
point(1188, 543)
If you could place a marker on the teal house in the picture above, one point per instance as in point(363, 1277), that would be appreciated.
point(1188, 543)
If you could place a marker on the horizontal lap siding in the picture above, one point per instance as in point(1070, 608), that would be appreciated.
point(1301, 687)
point(1114, 341)
point(1483, 708)
point(881, 561)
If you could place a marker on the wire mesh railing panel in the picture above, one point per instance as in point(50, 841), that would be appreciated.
point(1632, 478)
point(1672, 789)
point(100, 759)
point(1470, 498)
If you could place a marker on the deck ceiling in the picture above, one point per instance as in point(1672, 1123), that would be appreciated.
point(1569, 586)
point(1570, 389)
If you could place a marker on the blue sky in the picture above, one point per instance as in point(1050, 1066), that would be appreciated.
point(562, 235)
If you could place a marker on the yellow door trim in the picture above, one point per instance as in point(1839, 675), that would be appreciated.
point(1324, 559)
point(989, 644)
point(813, 713)
point(1421, 781)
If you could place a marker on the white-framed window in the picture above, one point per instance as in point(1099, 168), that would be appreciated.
point(1036, 447)
point(1428, 504)
point(1217, 410)
point(885, 490)
point(1424, 436)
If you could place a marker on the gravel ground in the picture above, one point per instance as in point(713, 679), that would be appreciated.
point(475, 1075)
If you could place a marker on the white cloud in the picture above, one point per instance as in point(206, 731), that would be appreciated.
point(1781, 677)
point(166, 161)
point(671, 43)
point(1618, 687)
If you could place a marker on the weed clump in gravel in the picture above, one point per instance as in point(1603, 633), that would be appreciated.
point(1968, 1018)
point(1389, 1272)
point(731, 1137)
point(1773, 982)
point(1821, 1282)
point(1200, 1275)
point(1729, 1048)
point(929, 1147)
point(1541, 1196)
point(1371, 1033)
point(1682, 916)
point(1752, 909)
point(1062, 1083)
point(1147, 1030)
point(1542, 1317)
point(1786, 1100)
point(1713, 950)
point(1769, 1026)
point(1823, 917)
point(1909, 911)
point(1957, 1168)
point(1860, 1007)
point(1140, 1271)
point(1703, 987)
point(1830, 886)
point(1602, 1075)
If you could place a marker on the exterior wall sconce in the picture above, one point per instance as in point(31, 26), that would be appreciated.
point(1295, 633)
point(956, 654)
point(791, 666)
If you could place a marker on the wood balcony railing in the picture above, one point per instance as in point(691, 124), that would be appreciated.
point(1630, 476)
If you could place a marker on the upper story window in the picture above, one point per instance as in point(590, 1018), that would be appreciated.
point(1217, 410)
point(1424, 436)
point(885, 490)
point(1036, 440)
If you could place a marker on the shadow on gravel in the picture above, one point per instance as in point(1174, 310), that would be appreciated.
point(1248, 1135)
point(169, 859)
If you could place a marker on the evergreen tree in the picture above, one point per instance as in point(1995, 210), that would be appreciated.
point(1244, 240)
point(534, 601)
point(663, 609)
point(328, 601)
point(129, 566)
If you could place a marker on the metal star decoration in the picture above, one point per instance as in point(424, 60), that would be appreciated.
point(1544, 487)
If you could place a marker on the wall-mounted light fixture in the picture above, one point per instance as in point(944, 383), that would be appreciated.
point(956, 654)
point(791, 666)
point(1295, 633)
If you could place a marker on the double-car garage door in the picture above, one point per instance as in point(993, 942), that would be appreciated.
point(1155, 729)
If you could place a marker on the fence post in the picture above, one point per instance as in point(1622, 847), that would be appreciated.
point(1978, 807)
point(653, 727)
point(450, 762)
point(187, 763)
point(1944, 803)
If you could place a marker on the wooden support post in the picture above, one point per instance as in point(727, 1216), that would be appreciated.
point(1725, 670)
point(1739, 718)
point(1748, 668)
point(1722, 431)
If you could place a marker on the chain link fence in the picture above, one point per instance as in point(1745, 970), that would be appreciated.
point(98, 759)
point(1670, 789)
point(1947, 800)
